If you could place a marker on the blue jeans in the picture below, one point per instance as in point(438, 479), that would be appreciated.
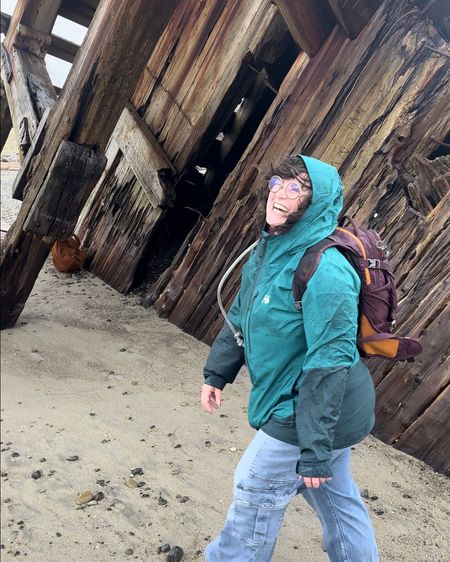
point(265, 482)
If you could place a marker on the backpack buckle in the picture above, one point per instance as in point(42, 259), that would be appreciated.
point(373, 263)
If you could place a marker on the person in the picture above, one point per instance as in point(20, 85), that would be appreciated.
point(312, 398)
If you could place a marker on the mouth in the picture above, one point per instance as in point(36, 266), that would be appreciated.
point(280, 208)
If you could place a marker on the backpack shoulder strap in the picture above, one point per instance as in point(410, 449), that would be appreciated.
point(307, 267)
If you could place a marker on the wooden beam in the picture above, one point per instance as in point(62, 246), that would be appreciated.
point(80, 12)
point(29, 92)
point(85, 114)
point(309, 21)
point(353, 15)
point(39, 15)
point(5, 118)
point(145, 157)
point(59, 47)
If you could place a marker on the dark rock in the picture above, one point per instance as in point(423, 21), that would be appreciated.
point(122, 349)
point(163, 548)
point(99, 496)
point(162, 501)
point(137, 471)
point(175, 554)
point(129, 551)
point(73, 458)
point(101, 482)
point(184, 499)
point(58, 534)
point(92, 414)
point(43, 459)
point(15, 454)
point(36, 474)
point(141, 484)
point(178, 446)
point(207, 443)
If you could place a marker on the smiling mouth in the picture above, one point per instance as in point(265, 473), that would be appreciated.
point(280, 208)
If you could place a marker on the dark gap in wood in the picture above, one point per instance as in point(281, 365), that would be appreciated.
point(442, 148)
point(256, 82)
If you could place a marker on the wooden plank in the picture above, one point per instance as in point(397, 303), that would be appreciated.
point(145, 157)
point(5, 118)
point(353, 16)
point(427, 438)
point(39, 15)
point(70, 179)
point(21, 178)
point(63, 49)
point(29, 93)
point(80, 12)
point(85, 113)
point(123, 227)
point(310, 22)
point(59, 47)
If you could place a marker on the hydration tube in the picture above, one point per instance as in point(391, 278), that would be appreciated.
point(237, 335)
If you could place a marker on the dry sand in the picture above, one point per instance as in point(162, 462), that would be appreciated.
point(90, 373)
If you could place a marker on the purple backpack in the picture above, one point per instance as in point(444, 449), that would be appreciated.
point(365, 250)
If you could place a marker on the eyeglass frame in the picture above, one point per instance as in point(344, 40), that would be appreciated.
point(302, 188)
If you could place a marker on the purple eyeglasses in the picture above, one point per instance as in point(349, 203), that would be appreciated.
point(293, 189)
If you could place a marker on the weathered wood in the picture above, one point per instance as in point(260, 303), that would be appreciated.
point(427, 437)
point(117, 196)
point(353, 16)
point(310, 22)
point(198, 37)
point(80, 12)
point(59, 47)
point(5, 118)
point(40, 15)
point(145, 157)
point(70, 179)
point(140, 186)
point(85, 113)
point(6, 65)
point(32, 41)
point(21, 178)
point(29, 92)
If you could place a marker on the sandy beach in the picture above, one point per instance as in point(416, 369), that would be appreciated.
point(95, 386)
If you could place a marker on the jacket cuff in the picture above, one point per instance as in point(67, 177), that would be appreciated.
point(319, 469)
point(216, 381)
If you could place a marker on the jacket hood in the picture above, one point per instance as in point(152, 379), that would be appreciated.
point(321, 217)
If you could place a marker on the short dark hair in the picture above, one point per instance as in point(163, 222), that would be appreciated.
point(289, 167)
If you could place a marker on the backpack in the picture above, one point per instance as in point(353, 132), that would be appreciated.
point(67, 255)
point(377, 306)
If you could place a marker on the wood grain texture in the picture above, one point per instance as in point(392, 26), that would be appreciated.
point(310, 22)
point(95, 92)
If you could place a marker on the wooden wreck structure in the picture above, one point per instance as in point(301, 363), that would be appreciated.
point(155, 148)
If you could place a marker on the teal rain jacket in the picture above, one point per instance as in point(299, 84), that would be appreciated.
point(304, 365)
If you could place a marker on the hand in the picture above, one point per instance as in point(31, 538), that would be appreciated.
point(313, 482)
point(211, 398)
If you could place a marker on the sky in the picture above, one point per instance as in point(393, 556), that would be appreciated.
point(57, 69)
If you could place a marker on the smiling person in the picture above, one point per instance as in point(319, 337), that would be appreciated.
point(312, 398)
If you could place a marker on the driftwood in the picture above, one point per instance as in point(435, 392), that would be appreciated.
point(85, 114)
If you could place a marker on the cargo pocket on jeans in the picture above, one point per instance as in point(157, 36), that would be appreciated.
point(252, 509)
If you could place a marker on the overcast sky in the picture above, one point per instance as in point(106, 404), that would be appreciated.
point(57, 69)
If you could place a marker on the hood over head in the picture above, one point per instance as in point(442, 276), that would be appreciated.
point(321, 217)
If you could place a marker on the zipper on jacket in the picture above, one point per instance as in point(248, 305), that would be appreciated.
point(252, 296)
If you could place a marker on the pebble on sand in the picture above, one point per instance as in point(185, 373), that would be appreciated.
point(73, 458)
point(175, 554)
point(84, 497)
point(36, 474)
